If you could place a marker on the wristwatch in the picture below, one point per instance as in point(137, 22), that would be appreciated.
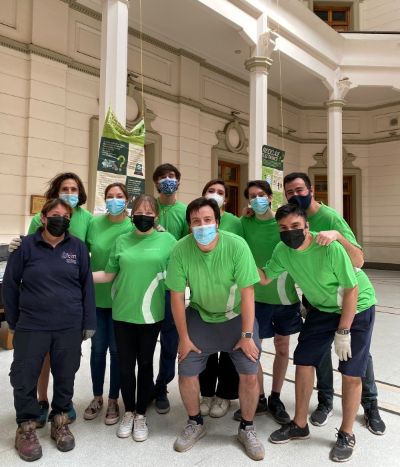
point(343, 332)
point(248, 335)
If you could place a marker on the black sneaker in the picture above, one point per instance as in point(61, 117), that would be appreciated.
point(262, 408)
point(320, 415)
point(373, 419)
point(278, 411)
point(162, 402)
point(288, 432)
point(343, 449)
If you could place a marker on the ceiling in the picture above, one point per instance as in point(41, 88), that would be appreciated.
point(189, 25)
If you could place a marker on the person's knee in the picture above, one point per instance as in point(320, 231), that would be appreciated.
point(354, 380)
point(281, 344)
point(249, 381)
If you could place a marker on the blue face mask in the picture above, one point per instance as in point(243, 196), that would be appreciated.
point(168, 186)
point(115, 206)
point(205, 234)
point(260, 204)
point(303, 201)
point(72, 200)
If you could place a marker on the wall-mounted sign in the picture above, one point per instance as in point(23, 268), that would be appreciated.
point(272, 172)
point(37, 202)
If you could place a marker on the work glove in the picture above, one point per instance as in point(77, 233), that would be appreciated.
point(87, 334)
point(343, 346)
point(15, 243)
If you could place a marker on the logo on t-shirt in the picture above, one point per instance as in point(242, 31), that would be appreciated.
point(70, 258)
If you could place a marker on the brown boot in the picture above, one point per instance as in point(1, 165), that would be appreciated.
point(27, 443)
point(65, 440)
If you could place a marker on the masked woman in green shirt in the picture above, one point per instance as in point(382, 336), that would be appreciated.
point(137, 265)
point(102, 234)
point(219, 382)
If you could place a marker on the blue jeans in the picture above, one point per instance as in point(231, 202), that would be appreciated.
point(325, 382)
point(169, 346)
point(104, 340)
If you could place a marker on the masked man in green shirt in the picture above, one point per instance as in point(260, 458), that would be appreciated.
point(341, 311)
point(331, 226)
point(220, 271)
point(172, 216)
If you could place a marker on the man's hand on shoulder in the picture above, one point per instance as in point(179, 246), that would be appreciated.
point(326, 237)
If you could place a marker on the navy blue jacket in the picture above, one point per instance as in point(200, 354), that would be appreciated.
point(49, 289)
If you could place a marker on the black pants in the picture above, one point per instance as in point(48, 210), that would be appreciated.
point(220, 378)
point(136, 343)
point(30, 349)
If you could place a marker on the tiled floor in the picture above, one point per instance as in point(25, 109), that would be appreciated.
point(97, 444)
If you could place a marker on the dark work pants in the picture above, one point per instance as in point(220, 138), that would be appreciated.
point(220, 377)
point(169, 340)
point(136, 343)
point(325, 382)
point(30, 348)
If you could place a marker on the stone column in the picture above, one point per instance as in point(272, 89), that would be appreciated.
point(114, 59)
point(259, 66)
point(335, 144)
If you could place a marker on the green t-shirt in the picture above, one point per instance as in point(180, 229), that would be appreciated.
point(138, 291)
point(173, 219)
point(231, 223)
point(100, 239)
point(78, 227)
point(322, 272)
point(215, 277)
point(262, 236)
point(327, 218)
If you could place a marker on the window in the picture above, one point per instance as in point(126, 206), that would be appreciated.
point(337, 17)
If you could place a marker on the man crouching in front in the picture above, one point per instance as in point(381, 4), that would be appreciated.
point(220, 271)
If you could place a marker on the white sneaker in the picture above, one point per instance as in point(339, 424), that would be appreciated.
point(126, 425)
point(205, 405)
point(219, 407)
point(140, 430)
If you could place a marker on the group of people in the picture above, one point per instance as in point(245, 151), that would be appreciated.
point(122, 281)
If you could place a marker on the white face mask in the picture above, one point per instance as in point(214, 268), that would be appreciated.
point(218, 198)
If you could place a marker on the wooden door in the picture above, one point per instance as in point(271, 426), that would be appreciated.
point(321, 195)
point(230, 173)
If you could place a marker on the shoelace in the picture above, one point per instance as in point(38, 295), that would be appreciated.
point(127, 420)
point(189, 430)
point(343, 440)
point(252, 437)
point(140, 423)
point(29, 435)
point(95, 405)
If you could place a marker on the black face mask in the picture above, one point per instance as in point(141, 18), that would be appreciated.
point(143, 223)
point(293, 238)
point(57, 225)
point(303, 201)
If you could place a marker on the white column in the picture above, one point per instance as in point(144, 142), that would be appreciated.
point(335, 155)
point(258, 66)
point(335, 143)
point(114, 59)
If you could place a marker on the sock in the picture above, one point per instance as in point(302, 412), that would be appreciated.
point(262, 397)
point(197, 418)
point(244, 423)
point(275, 395)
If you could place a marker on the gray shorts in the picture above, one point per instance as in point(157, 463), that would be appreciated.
point(216, 337)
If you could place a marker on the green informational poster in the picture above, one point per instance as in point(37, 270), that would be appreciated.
point(121, 159)
point(272, 172)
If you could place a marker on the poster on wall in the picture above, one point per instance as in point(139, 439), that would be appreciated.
point(121, 159)
point(272, 172)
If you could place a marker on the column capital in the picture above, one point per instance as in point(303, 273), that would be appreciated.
point(261, 64)
point(340, 103)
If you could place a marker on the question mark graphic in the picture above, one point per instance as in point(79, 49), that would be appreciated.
point(122, 161)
